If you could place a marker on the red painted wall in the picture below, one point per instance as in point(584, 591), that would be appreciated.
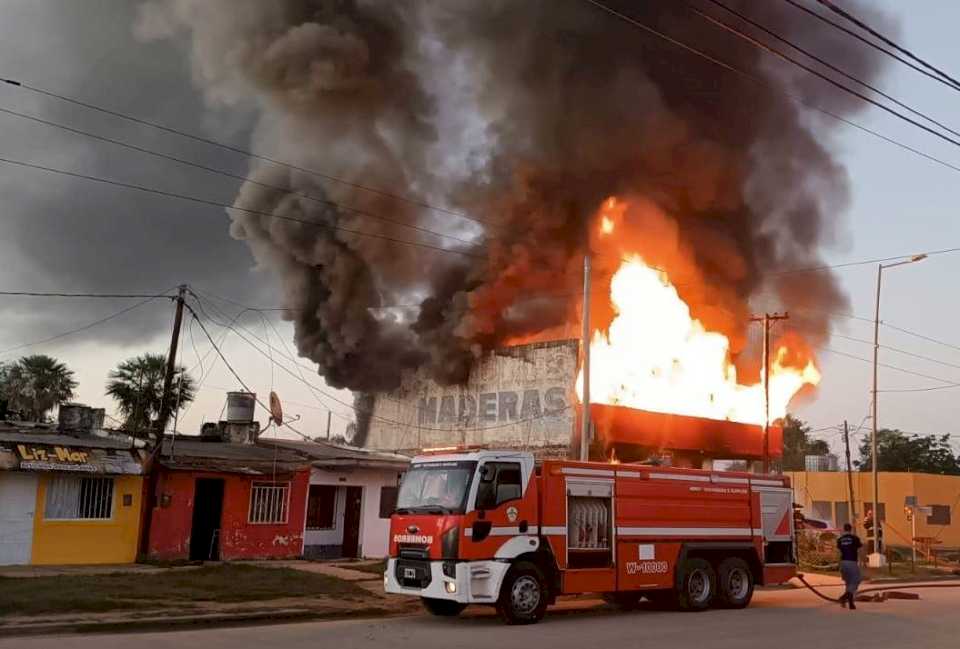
point(170, 526)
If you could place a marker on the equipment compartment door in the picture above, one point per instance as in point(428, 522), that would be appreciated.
point(776, 512)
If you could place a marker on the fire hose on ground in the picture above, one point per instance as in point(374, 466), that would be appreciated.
point(878, 589)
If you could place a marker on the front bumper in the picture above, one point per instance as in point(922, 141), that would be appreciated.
point(476, 582)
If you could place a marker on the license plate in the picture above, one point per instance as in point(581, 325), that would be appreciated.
point(409, 573)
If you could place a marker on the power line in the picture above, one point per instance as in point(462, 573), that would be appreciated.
point(859, 95)
point(234, 372)
point(86, 295)
point(758, 80)
point(888, 366)
point(212, 203)
point(890, 348)
point(240, 177)
point(246, 152)
point(882, 324)
point(551, 413)
point(816, 58)
point(89, 325)
point(869, 43)
point(873, 32)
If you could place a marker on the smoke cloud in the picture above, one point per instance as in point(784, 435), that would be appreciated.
point(526, 115)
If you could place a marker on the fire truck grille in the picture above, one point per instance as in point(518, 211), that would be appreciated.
point(413, 573)
point(408, 551)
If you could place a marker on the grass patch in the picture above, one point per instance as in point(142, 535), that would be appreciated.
point(376, 568)
point(229, 583)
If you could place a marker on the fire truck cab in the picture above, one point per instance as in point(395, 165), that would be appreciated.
point(495, 527)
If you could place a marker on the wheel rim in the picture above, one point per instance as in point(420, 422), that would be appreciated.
point(525, 595)
point(738, 583)
point(699, 586)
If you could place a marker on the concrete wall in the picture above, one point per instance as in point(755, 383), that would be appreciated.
point(520, 397)
point(18, 502)
point(374, 531)
point(810, 487)
point(113, 540)
point(171, 525)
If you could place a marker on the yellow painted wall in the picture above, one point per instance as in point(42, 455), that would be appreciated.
point(894, 488)
point(94, 541)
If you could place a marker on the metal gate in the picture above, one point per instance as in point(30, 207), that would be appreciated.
point(18, 498)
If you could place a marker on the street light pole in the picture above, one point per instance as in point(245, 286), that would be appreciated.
point(877, 559)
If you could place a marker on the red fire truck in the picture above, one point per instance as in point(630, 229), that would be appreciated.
point(494, 527)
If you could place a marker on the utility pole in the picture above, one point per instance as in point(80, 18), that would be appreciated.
point(329, 414)
point(171, 365)
point(878, 559)
point(850, 499)
point(767, 319)
point(585, 343)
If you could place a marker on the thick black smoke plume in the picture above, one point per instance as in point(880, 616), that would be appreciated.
point(525, 114)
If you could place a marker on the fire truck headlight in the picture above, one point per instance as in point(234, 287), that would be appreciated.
point(450, 587)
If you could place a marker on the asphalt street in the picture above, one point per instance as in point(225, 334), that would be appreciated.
point(782, 619)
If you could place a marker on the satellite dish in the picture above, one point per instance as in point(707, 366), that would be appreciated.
point(276, 410)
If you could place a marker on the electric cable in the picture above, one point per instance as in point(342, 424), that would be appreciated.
point(876, 34)
point(228, 206)
point(809, 54)
point(870, 43)
point(758, 80)
point(242, 151)
point(245, 179)
point(89, 325)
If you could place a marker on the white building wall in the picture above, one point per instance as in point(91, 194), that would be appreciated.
point(374, 531)
point(18, 498)
point(516, 397)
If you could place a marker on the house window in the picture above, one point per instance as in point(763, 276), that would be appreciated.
point(78, 498)
point(843, 513)
point(388, 501)
point(822, 510)
point(268, 502)
point(939, 516)
point(322, 507)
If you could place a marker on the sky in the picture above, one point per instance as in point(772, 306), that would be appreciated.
point(63, 234)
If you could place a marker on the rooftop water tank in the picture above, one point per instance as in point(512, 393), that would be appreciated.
point(241, 406)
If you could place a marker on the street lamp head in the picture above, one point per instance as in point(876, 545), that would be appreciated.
point(918, 258)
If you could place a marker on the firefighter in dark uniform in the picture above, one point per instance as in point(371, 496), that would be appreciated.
point(849, 545)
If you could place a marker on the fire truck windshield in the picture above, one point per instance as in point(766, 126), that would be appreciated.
point(436, 487)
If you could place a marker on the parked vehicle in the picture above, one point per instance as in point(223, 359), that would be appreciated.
point(493, 527)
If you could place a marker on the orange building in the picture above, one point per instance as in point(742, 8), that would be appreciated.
point(824, 495)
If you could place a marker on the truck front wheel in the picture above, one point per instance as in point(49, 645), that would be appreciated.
point(442, 607)
point(523, 595)
point(735, 587)
point(697, 585)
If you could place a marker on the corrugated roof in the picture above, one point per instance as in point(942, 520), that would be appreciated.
point(33, 436)
point(327, 454)
point(189, 452)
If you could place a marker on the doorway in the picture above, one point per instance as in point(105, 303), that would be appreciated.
point(351, 523)
point(207, 509)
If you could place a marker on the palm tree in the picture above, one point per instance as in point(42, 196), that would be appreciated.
point(37, 384)
point(137, 386)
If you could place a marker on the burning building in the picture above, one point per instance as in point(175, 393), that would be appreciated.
point(445, 160)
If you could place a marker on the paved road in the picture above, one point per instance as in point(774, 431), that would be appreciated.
point(780, 619)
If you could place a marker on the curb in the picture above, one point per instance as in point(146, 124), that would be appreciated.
point(278, 616)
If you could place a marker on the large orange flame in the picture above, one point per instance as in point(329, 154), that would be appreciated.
point(655, 356)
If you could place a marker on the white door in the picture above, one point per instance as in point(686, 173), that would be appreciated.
point(18, 497)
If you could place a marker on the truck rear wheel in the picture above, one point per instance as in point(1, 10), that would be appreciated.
point(523, 595)
point(697, 585)
point(735, 583)
point(442, 607)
